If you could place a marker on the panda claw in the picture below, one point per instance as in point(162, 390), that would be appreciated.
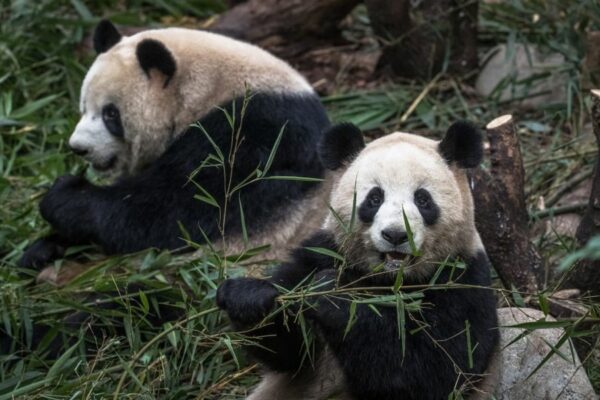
point(41, 253)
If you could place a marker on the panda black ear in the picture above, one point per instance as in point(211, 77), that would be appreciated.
point(340, 144)
point(152, 54)
point(462, 145)
point(106, 36)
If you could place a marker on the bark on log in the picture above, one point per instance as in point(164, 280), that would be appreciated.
point(417, 37)
point(586, 275)
point(296, 25)
point(500, 210)
point(590, 77)
point(506, 163)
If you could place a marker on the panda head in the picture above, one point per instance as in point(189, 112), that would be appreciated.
point(398, 180)
point(126, 102)
point(144, 90)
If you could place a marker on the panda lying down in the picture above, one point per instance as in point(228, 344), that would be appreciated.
point(395, 177)
point(138, 100)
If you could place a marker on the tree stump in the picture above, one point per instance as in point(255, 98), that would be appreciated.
point(501, 213)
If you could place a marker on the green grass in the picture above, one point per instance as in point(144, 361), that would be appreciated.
point(42, 64)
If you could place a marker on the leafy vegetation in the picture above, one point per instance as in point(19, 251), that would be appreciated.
point(43, 62)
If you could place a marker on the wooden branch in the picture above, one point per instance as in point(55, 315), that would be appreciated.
point(586, 275)
point(287, 27)
point(500, 211)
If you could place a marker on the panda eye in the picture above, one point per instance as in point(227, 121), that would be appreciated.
point(370, 205)
point(375, 197)
point(110, 112)
point(423, 198)
point(112, 120)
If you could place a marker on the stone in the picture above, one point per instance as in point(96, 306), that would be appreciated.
point(557, 379)
point(525, 73)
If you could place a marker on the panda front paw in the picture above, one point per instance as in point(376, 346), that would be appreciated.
point(246, 300)
point(41, 253)
point(64, 205)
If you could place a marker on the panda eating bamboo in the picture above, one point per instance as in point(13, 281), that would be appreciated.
point(171, 179)
point(401, 203)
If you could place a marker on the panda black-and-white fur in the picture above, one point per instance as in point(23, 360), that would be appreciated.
point(138, 100)
point(395, 176)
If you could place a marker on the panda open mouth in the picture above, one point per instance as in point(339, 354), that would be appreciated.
point(105, 166)
point(393, 260)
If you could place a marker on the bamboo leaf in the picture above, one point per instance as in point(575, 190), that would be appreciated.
point(326, 252)
point(351, 317)
point(274, 150)
point(411, 239)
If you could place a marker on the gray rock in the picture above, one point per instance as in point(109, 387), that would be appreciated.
point(523, 72)
point(556, 379)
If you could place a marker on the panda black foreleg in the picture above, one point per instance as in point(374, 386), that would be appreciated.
point(248, 301)
point(128, 216)
point(66, 207)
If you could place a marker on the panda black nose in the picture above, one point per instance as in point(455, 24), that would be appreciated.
point(79, 151)
point(394, 236)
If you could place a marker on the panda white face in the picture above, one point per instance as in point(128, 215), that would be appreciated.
point(99, 137)
point(398, 179)
point(127, 116)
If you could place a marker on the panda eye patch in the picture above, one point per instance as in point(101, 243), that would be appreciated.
point(370, 205)
point(427, 207)
point(423, 198)
point(112, 120)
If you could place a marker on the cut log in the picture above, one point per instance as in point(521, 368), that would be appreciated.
point(586, 275)
point(417, 37)
point(500, 211)
point(506, 163)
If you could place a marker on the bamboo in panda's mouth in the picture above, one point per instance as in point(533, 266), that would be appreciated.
point(396, 259)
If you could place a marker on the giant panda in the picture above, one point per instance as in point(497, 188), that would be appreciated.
point(138, 100)
point(401, 202)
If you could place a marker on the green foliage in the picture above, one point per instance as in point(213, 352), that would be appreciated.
point(591, 251)
point(43, 63)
